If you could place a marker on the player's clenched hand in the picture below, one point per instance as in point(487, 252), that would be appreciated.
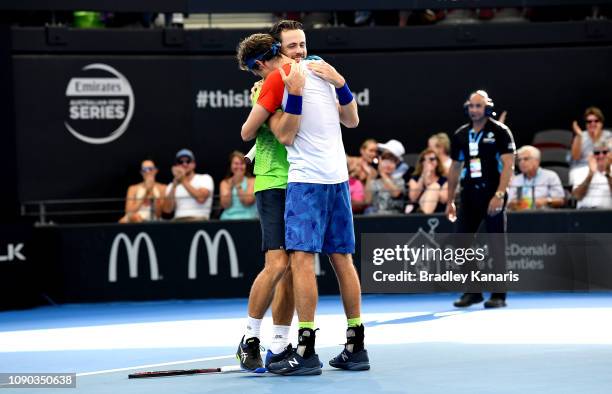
point(327, 72)
point(294, 82)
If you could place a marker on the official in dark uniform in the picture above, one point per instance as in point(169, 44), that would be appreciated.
point(486, 148)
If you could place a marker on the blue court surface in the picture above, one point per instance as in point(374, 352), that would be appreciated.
point(540, 343)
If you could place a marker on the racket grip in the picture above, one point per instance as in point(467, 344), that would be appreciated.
point(249, 157)
point(230, 368)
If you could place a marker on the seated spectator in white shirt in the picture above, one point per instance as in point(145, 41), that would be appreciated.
point(534, 187)
point(189, 195)
point(592, 185)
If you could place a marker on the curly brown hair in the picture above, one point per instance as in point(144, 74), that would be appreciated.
point(253, 46)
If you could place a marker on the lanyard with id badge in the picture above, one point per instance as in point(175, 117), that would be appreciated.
point(527, 195)
point(475, 164)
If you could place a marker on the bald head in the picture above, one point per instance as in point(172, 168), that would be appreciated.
point(477, 104)
point(483, 95)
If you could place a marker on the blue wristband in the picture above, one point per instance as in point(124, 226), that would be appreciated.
point(294, 104)
point(344, 95)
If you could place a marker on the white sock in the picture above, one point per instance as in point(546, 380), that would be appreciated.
point(280, 338)
point(253, 328)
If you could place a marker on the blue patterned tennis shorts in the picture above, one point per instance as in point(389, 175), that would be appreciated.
point(318, 218)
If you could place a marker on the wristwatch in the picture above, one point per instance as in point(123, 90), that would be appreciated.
point(500, 195)
point(549, 201)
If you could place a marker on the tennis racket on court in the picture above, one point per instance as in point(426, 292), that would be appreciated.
point(178, 372)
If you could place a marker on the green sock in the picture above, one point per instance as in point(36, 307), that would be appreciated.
point(354, 322)
point(306, 324)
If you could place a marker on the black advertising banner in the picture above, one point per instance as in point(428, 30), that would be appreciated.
point(222, 258)
point(159, 261)
point(163, 261)
point(112, 262)
point(19, 275)
point(83, 123)
point(8, 197)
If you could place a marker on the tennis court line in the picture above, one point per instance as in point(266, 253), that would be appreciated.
point(171, 363)
point(154, 365)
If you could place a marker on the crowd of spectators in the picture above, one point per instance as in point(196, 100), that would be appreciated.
point(359, 18)
point(377, 186)
point(384, 180)
point(190, 195)
point(390, 185)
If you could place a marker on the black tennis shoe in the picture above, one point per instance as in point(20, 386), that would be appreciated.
point(299, 361)
point(296, 365)
point(354, 357)
point(249, 355)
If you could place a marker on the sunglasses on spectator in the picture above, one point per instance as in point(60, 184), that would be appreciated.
point(600, 152)
point(593, 121)
point(432, 159)
point(147, 169)
point(184, 160)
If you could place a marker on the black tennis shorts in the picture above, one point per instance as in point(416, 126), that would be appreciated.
point(271, 209)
